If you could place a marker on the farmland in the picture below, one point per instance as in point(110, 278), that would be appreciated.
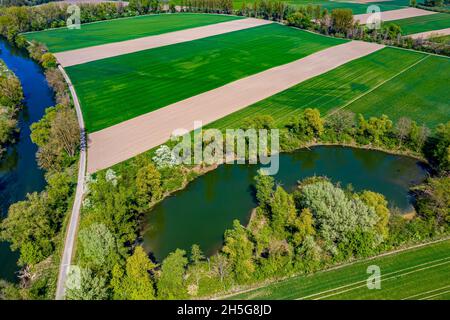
point(151, 79)
point(357, 8)
point(424, 23)
point(390, 81)
point(98, 33)
point(420, 273)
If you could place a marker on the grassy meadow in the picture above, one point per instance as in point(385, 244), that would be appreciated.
point(419, 273)
point(97, 33)
point(120, 88)
point(390, 81)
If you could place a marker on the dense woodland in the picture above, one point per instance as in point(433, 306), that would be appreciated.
point(318, 225)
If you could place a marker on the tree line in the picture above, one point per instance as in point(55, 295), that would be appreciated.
point(11, 96)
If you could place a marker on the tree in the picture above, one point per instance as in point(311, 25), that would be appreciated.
point(264, 185)
point(48, 60)
point(341, 20)
point(221, 266)
point(98, 248)
point(29, 227)
point(433, 200)
point(90, 287)
point(299, 19)
point(135, 283)
point(239, 250)
point(336, 214)
point(379, 203)
point(403, 129)
point(282, 211)
point(442, 147)
point(148, 184)
point(171, 283)
point(196, 254)
point(341, 120)
point(11, 93)
point(303, 226)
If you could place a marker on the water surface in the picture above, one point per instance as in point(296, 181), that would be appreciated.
point(19, 173)
point(206, 208)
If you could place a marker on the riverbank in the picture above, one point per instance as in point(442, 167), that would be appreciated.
point(19, 172)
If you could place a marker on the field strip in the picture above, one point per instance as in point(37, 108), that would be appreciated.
point(394, 14)
point(130, 138)
point(79, 56)
point(426, 34)
point(435, 295)
point(363, 281)
point(377, 86)
point(334, 268)
point(426, 292)
point(384, 279)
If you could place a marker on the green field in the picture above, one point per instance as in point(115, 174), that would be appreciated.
point(424, 23)
point(420, 273)
point(98, 33)
point(357, 8)
point(120, 88)
point(391, 81)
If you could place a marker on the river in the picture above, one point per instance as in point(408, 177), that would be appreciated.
point(206, 207)
point(19, 173)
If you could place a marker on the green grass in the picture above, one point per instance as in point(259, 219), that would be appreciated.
point(103, 32)
point(424, 23)
point(419, 273)
point(357, 8)
point(120, 88)
point(379, 83)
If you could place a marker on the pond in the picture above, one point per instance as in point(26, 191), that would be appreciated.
point(19, 173)
point(201, 212)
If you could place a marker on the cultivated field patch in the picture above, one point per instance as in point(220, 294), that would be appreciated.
point(129, 138)
point(97, 33)
point(420, 273)
point(84, 55)
point(424, 23)
point(120, 88)
point(391, 81)
point(391, 15)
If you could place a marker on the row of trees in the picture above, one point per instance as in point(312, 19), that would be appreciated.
point(15, 20)
point(317, 225)
point(11, 96)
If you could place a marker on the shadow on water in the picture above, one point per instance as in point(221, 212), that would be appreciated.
point(201, 212)
point(19, 173)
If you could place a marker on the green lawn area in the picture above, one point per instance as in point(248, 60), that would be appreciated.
point(420, 273)
point(424, 23)
point(120, 88)
point(379, 83)
point(98, 33)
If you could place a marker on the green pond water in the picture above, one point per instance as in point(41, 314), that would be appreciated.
point(201, 212)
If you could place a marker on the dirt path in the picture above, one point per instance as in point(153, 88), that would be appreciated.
point(427, 34)
point(79, 56)
point(394, 14)
point(130, 138)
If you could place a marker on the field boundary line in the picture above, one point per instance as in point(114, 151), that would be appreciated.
point(385, 279)
point(337, 267)
point(422, 293)
point(377, 86)
point(360, 281)
point(435, 295)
